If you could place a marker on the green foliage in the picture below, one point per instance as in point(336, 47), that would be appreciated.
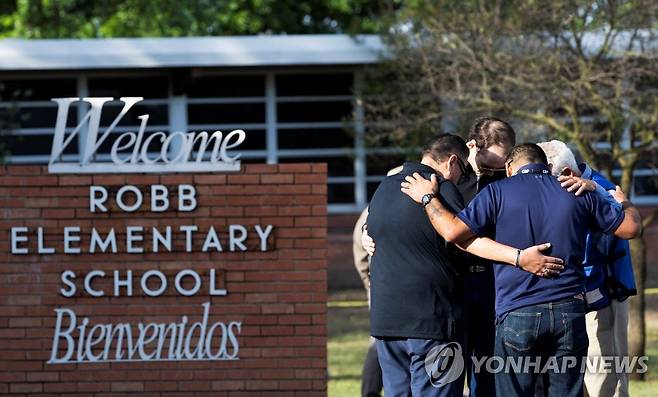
point(176, 18)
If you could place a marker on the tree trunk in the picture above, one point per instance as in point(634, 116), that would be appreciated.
point(636, 323)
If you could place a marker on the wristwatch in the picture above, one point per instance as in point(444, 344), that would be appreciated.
point(426, 199)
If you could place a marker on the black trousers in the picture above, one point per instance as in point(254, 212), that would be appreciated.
point(371, 377)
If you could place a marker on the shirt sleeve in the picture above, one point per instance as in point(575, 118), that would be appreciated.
point(600, 190)
point(606, 215)
point(602, 181)
point(480, 215)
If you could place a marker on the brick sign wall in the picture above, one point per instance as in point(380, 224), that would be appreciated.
point(237, 312)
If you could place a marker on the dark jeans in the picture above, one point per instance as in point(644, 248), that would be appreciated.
point(421, 367)
point(549, 336)
point(480, 318)
point(371, 377)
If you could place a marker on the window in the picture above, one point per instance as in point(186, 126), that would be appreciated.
point(645, 180)
point(223, 86)
point(34, 116)
point(314, 138)
point(378, 165)
point(341, 193)
point(224, 102)
point(311, 84)
point(149, 87)
point(26, 106)
point(255, 140)
point(222, 113)
point(36, 89)
point(158, 115)
point(329, 111)
point(314, 113)
point(645, 183)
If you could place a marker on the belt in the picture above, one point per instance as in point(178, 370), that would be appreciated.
point(476, 269)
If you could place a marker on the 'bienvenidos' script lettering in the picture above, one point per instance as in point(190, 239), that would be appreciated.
point(76, 340)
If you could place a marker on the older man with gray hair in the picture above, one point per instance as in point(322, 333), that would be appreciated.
point(610, 279)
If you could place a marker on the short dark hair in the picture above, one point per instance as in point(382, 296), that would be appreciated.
point(488, 131)
point(527, 151)
point(443, 145)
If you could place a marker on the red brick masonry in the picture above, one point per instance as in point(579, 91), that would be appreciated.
point(279, 295)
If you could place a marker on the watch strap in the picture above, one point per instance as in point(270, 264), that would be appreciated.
point(427, 198)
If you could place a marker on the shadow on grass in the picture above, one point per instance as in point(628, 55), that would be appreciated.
point(347, 377)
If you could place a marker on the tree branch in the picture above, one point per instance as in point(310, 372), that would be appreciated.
point(648, 220)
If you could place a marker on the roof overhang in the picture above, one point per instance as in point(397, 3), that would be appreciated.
point(225, 51)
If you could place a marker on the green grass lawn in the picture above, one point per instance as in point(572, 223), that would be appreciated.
point(649, 387)
point(348, 343)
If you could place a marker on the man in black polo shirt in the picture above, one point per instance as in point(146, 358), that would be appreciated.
point(536, 318)
point(415, 304)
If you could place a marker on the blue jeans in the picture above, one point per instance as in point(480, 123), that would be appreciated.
point(548, 337)
point(421, 367)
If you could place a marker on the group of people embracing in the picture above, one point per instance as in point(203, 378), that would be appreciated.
point(487, 250)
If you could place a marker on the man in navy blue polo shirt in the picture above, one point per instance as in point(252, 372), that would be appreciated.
point(536, 317)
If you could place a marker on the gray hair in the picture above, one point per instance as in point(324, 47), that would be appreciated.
point(559, 155)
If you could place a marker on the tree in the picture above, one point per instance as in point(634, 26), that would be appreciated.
point(582, 71)
point(10, 117)
point(175, 18)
